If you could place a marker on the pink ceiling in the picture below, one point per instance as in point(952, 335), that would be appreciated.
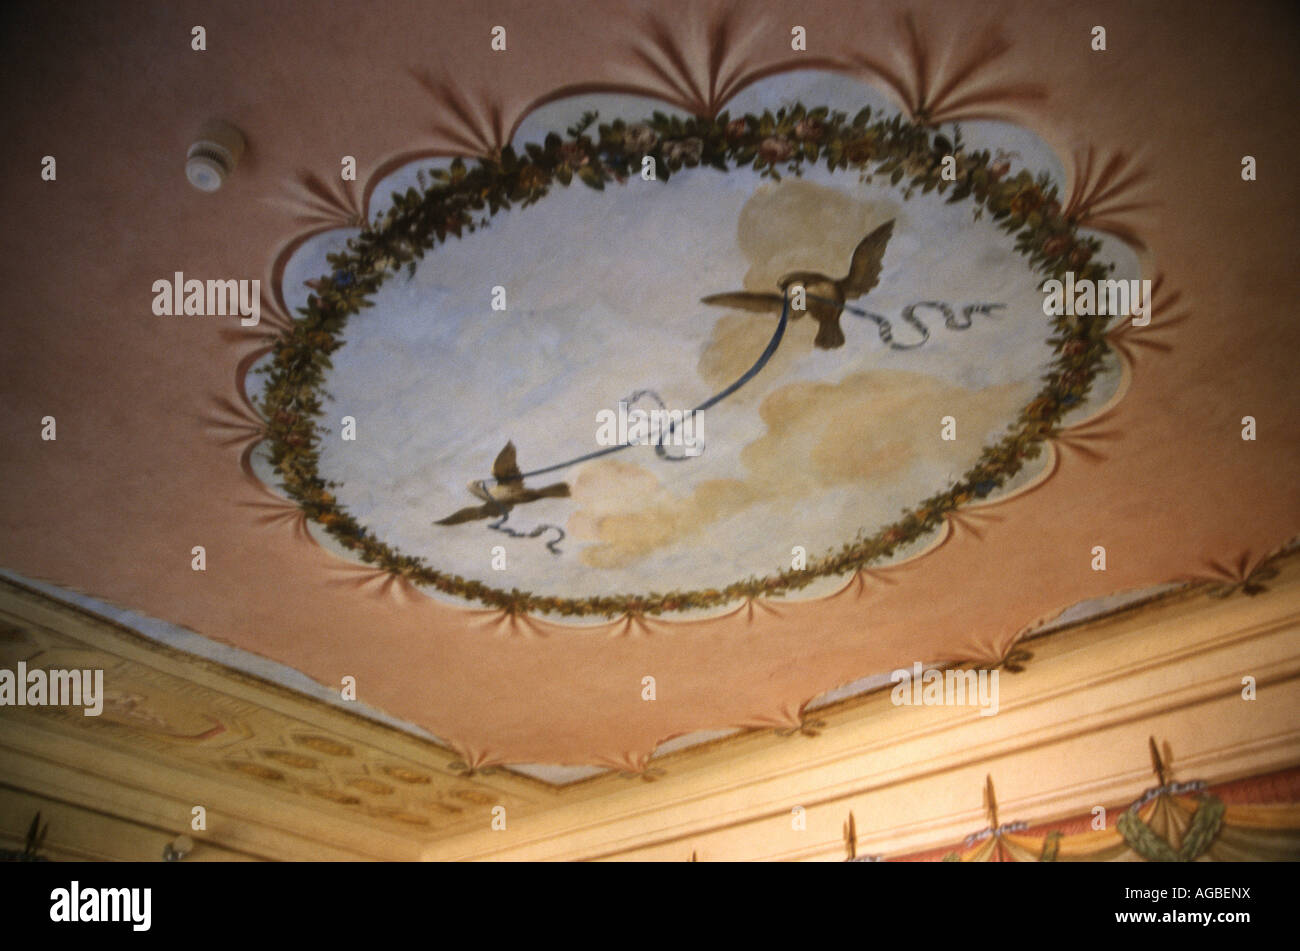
point(144, 467)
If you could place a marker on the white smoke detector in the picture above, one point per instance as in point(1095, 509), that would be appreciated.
point(213, 155)
point(178, 848)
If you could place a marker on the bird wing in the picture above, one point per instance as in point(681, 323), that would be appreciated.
point(763, 303)
point(864, 272)
point(560, 490)
point(469, 514)
point(505, 469)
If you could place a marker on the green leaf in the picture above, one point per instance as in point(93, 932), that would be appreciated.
point(1204, 829)
point(1143, 839)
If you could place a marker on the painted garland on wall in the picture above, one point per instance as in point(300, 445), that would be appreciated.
point(461, 199)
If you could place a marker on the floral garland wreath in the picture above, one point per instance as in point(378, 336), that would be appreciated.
point(462, 199)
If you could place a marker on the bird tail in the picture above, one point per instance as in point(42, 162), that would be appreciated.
point(560, 490)
point(829, 335)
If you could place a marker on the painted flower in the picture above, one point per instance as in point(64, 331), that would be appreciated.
point(736, 128)
point(998, 169)
point(1040, 408)
point(1056, 245)
point(639, 138)
point(1026, 200)
point(687, 150)
point(531, 177)
point(574, 155)
point(775, 148)
point(1080, 256)
point(808, 129)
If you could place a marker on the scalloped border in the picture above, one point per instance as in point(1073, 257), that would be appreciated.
point(771, 143)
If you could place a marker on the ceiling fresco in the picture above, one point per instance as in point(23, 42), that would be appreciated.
point(543, 326)
point(887, 451)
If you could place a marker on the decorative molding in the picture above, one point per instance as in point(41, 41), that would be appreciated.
point(1055, 745)
point(176, 731)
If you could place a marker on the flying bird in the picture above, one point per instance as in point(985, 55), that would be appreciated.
point(824, 296)
point(508, 491)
